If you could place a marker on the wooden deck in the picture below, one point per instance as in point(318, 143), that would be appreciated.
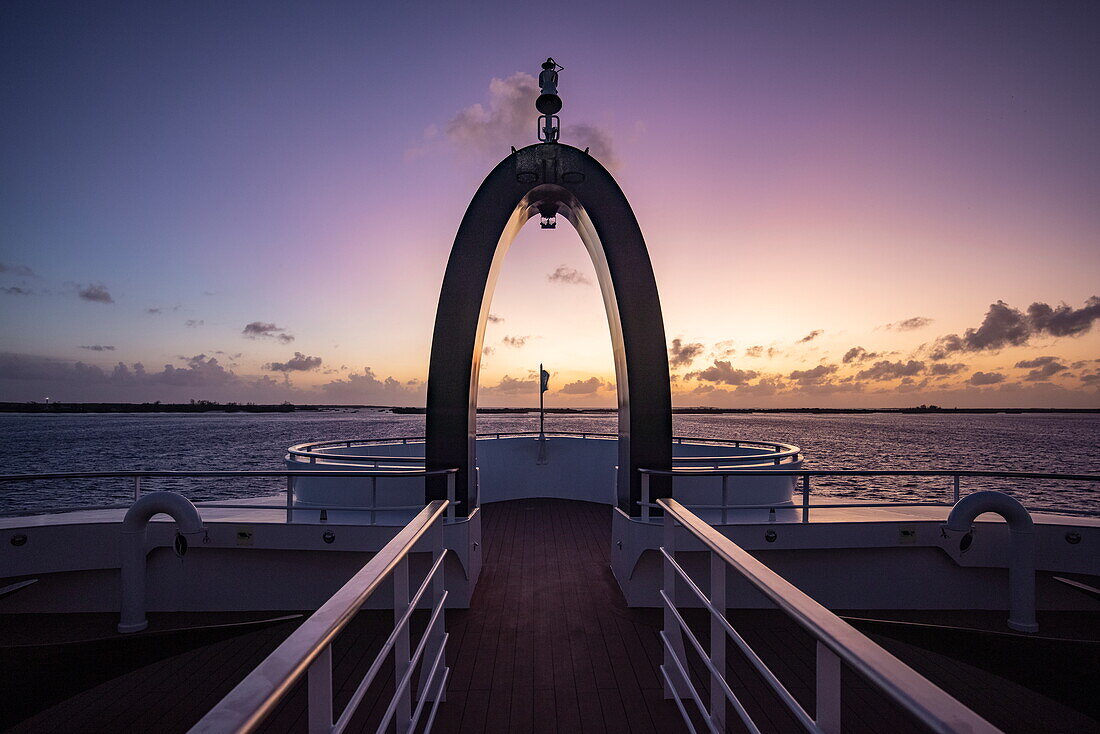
point(548, 644)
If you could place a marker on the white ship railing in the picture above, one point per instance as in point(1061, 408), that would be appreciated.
point(837, 643)
point(314, 452)
point(289, 508)
point(308, 650)
point(729, 504)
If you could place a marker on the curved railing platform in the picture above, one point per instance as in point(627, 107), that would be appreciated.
point(770, 451)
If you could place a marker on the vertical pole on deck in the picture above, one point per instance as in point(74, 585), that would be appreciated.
point(717, 641)
point(542, 408)
point(137, 488)
point(401, 660)
point(956, 489)
point(828, 690)
point(319, 685)
point(805, 498)
point(669, 585)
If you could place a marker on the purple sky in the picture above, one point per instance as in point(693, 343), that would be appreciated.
point(256, 202)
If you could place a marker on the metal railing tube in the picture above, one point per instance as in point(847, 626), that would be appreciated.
point(253, 699)
point(931, 706)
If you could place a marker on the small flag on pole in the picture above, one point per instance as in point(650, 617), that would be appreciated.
point(545, 385)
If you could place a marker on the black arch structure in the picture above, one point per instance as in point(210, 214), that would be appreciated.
point(548, 179)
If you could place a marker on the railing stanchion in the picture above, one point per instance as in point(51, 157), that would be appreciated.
point(725, 499)
point(373, 499)
point(319, 684)
point(669, 586)
point(828, 690)
point(451, 497)
point(956, 489)
point(401, 654)
point(644, 508)
point(805, 498)
point(137, 488)
point(717, 641)
point(289, 498)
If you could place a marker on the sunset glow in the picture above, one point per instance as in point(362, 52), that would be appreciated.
point(213, 203)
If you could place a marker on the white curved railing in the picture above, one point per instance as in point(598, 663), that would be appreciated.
point(289, 508)
point(777, 452)
point(837, 642)
point(647, 503)
point(308, 650)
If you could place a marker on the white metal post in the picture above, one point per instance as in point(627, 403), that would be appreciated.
point(319, 684)
point(828, 690)
point(725, 499)
point(438, 630)
point(717, 641)
point(137, 488)
point(373, 498)
point(401, 659)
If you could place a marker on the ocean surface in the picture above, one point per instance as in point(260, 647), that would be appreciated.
point(105, 442)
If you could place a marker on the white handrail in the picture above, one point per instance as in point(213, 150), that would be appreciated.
point(837, 642)
point(309, 646)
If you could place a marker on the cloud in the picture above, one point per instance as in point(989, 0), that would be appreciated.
point(200, 371)
point(20, 270)
point(585, 135)
point(568, 275)
point(943, 369)
point(682, 355)
point(368, 389)
point(194, 323)
point(512, 386)
point(487, 351)
point(986, 378)
point(262, 330)
point(858, 354)
point(764, 387)
point(911, 324)
point(515, 341)
point(756, 351)
point(1042, 368)
point(508, 117)
point(1064, 320)
point(811, 336)
point(723, 349)
point(14, 290)
point(583, 387)
point(153, 310)
point(886, 370)
point(98, 347)
point(815, 376)
point(494, 319)
point(95, 292)
point(1005, 326)
point(298, 363)
point(723, 372)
